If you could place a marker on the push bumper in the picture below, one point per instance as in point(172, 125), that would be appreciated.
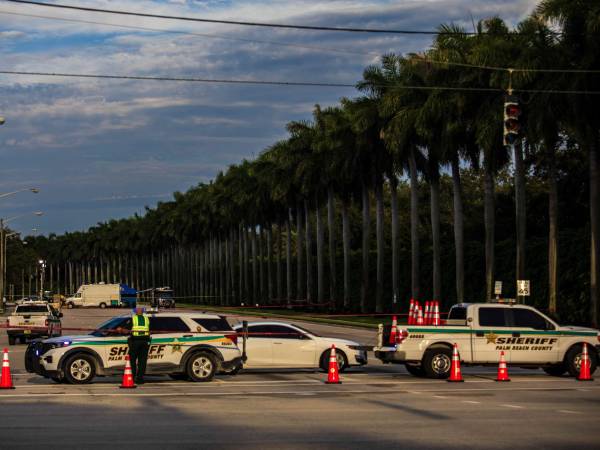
point(361, 358)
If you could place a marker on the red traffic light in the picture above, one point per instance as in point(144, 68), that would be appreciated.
point(512, 109)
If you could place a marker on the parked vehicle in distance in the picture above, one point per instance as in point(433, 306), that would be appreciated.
point(284, 345)
point(162, 297)
point(103, 296)
point(190, 346)
point(481, 331)
point(33, 319)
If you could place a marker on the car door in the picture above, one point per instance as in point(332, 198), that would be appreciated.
point(292, 347)
point(259, 347)
point(490, 334)
point(535, 340)
point(168, 341)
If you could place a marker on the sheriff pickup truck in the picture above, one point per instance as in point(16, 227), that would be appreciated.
point(33, 319)
point(481, 331)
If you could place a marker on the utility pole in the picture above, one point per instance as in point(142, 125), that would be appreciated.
point(42, 271)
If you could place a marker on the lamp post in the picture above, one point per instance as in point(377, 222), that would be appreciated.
point(42, 272)
point(3, 222)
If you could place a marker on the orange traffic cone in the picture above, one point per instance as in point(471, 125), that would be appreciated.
point(394, 331)
point(333, 374)
point(436, 314)
point(411, 311)
point(584, 370)
point(6, 380)
point(426, 313)
point(127, 376)
point(420, 320)
point(455, 373)
point(502, 369)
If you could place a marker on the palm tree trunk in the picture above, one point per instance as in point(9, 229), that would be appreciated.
point(270, 262)
point(288, 256)
point(395, 232)
point(366, 231)
point(552, 231)
point(520, 210)
point(309, 261)
point(331, 231)
point(459, 236)
point(232, 265)
point(414, 224)
point(261, 263)
point(595, 232)
point(241, 266)
point(254, 265)
point(320, 259)
point(279, 251)
point(434, 187)
point(246, 235)
point(300, 294)
point(380, 245)
point(346, 251)
point(489, 219)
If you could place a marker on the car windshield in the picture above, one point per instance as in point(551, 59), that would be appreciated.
point(110, 327)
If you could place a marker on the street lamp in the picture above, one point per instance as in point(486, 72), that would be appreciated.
point(2, 120)
point(3, 251)
point(42, 271)
point(8, 194)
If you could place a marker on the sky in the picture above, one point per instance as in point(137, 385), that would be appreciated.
point(104, 149)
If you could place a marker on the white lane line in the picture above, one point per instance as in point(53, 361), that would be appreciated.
point(471, 402)
point(513, 406)
point(568, 411)
point(441, 397)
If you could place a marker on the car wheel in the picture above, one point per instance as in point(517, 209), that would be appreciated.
point(415, 370)
point(179, 376)
point(70, 305)
point(436, 362)
point(555, 371)
point(573, 359)
point(202, 366)
point(342, 360)
point(12, 340)
point(79, 369)
point(102, 305)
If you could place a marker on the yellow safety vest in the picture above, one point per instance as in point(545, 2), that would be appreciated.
point(140, 325)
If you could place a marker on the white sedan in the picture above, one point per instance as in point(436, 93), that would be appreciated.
point(284, 345)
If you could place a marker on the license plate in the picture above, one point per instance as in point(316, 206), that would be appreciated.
point(27, 331)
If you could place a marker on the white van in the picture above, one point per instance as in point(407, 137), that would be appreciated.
point(100, 295)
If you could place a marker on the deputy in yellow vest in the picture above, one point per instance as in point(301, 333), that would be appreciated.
point(139, 343)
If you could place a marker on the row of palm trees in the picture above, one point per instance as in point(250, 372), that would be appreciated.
point(419, 116)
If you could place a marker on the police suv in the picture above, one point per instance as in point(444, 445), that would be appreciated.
point(481, 331)
point(191, 346)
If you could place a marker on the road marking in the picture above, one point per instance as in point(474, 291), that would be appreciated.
point(441, 397)
point(568, 411)
point(513, 406)
point(472, 402)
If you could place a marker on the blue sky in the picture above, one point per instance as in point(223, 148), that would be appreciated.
point(101, 149)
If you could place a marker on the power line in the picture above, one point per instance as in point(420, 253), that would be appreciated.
point(288, 83)
point(244, 23)
point(304, 46)
point(191, 33)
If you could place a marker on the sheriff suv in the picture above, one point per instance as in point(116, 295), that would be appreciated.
point(191, 346)
point(481, 331)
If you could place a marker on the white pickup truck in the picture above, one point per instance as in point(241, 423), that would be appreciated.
point(33, 319)
point(481, 331)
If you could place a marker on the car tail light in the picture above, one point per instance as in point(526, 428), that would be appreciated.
point(401, 335)
point(233, 337)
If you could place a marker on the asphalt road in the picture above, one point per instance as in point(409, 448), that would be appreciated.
point(378, 406)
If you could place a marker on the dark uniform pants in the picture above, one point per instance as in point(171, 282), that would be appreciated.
point(138, 353)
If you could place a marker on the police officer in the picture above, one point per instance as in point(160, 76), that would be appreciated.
point(139, 343)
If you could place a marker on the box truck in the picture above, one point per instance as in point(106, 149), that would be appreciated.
point(103, 296)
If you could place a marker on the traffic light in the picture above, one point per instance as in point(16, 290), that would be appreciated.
point(512, 127)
